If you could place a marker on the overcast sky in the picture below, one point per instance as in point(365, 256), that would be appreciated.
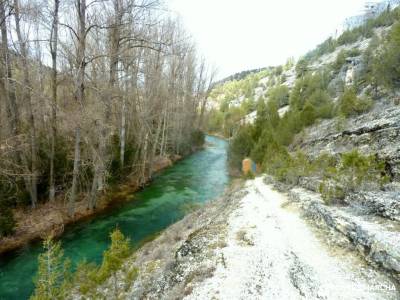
point(238, 35)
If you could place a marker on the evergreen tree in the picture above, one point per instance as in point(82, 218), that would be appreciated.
point(350, 104)
point(308, 115)
point(114, 258)
point(387, 63)
point(240, 146)
point(280, 95)
point(301, 67)
point(53, 273)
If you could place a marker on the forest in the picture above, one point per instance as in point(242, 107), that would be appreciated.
point(92, 92)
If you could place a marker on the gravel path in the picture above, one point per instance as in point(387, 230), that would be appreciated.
point(272, 253)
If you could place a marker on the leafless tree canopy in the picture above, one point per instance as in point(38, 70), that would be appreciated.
point(92, 91)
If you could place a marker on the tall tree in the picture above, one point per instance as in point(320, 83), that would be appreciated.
point(53, 51)
point(27, 99)
point(79, 95)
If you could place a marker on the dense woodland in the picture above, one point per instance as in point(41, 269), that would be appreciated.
point(91, 91)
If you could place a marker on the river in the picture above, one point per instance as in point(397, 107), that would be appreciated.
point(196, 179)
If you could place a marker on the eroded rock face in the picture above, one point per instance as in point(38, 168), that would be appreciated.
point(376, 132)
point(377, 240)
point(381, 203)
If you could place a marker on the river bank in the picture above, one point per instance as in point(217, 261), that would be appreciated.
point(171, 194)
point(51, 218)
point(251, 243)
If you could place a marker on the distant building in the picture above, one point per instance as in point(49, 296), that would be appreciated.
point(371, 10)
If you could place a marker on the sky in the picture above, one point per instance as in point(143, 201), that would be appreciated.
point(237, 35)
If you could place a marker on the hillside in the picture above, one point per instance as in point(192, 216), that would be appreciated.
point(321, 220)
point(318, 217)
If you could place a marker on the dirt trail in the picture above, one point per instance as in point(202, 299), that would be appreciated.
point(272, 253)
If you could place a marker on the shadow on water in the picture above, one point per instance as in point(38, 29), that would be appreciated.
point(200, 177)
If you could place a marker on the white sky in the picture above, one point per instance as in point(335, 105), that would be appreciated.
point(237, 35)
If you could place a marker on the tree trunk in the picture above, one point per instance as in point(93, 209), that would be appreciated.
point(143, 177)
point(53, 50)
point(80, 94)
point(75, 173)
point(94, 189)
point(28, 99)
point(155, 144)
point(163, 136)
point(123, 132)
point(9, 84)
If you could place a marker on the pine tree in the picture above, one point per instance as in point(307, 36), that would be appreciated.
point(114, 258)
point(53, 272)
point(386, 64)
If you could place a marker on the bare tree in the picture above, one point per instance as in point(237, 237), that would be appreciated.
point(27, 98)
point(81, 34)
point(102, 94)
point(53, 51)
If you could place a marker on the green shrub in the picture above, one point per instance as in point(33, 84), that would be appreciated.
point(356, 169)
point(308, 114)
point(215, 121)
point(353, 52)
point(301, 67)
point(85, 279)
point(88, 276)
point(300, 166)
point(63, 165)
point(324, 165)
point(368, 72)
point(114, 256)
point(279, 95)
point(350, 174)
point(240, 147)
point(278, 70)
point(331, 193)
point(305, 87)
point(288, 127)
point(349, 36)
point(257, 154)
point(328, 46)
point(386, 67)
point(267, 118)
point(340, 61)
point(7, 221)
point(350, 104)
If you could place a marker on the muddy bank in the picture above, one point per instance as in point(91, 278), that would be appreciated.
point(51, 218)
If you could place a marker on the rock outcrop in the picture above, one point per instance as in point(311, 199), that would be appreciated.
point(376, 132)
point(377, 240)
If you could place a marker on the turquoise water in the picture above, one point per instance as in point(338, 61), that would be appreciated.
point(200, 177)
